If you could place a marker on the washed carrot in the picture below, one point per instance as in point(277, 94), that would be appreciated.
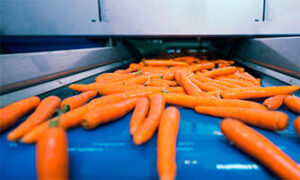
point(227, 84)
point(272, 120)
point(217, 85)
point(293, 103)
point(140, 79)
point(104, 88)
point(107, 113)
point(76, 101)
point(52, 159)
point(221, 65)
point(274, 102)
point(297, 125)
point(120, 77)
point(248, 77)
point(239, 82)
point(164, 75)
point(203, 66)
point(193, 101)
point(44, 111)
point(106, 77)
point(170, 83)
point(157, 83)
point(11, 113)
point(166, 143)
point(261, 148)
point(164, 63)
point(188, 85)
point(149, 126)
point(257, 92)
point(139, 114)
point(204, 86)
point(222, 61)
point(68, 120)
point(220, 71)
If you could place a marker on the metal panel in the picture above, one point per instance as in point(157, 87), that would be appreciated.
point(281, 54)
point(131, 17)
point(48, 86)
point(20, 70)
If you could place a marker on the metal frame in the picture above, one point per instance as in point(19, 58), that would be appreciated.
point(277, 75)
point(54, 84)
point(26, 69)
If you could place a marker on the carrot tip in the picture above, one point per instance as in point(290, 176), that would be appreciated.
point(85, 124)
point(66, 108)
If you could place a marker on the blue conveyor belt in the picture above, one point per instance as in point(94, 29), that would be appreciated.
point(108, 152)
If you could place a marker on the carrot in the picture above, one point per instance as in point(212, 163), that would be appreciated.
point(44, 111)
point(166, 143)
point(156, 83)
point(76, 101)
point(222, 61)
point(274, 102)
point(104, 88)
point(203, 66)
point(120, 77)
point(220, 71)
point(204, 86)
point(148, 127)
point(107, 113)
point(272, 120)
point(52, 159)
point(259, 147)
point(221, 65)
point(188, 85)
point(248, 77)
point(139, 114)
point(164, 75)
point(293, 103)
point(239, 82)
point(170, 83)
point(11, 113)
point(68, 120)
point(140, 79)
point(227, 84)
point(176, 89)
point(257, 92)
point(297, 125)
point(164, 63)
point(106, 76)
point(193, 101)
point(216, 85)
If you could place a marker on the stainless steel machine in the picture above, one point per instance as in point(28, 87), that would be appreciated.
point(260, 35)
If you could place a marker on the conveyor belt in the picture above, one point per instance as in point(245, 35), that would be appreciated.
point(108, 152)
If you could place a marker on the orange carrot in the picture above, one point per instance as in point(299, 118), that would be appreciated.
point(293, 103)
point(140, 79)
point(164, 63)
point(259, 147)
point(104, 88)
point(107, 113)
point(139, 114)
point(239, 82)
point(76, 101)
point(106, 76)
point(166, 143)
point(216, 85)
point(193, 101)
point(44, 111)
point(52, 159)
point(188, 85)
point(66, 121)
point(274, 102)
point(203, 66)
point(120, 77)
point(204, 86)
point(170, 83)
point(156, 83)
point(220, 71)
point(297, 125)
point(11, 113)
point(257, 92)
point(149, 126)
point(248, 77)
point(272, 120)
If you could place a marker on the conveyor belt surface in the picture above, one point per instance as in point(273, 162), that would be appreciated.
point(109, 153)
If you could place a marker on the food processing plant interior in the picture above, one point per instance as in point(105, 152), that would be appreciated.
point(48, 45)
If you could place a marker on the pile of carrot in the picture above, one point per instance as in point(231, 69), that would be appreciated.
point(211, 87)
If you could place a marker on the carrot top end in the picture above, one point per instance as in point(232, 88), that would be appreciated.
point(66, 108)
